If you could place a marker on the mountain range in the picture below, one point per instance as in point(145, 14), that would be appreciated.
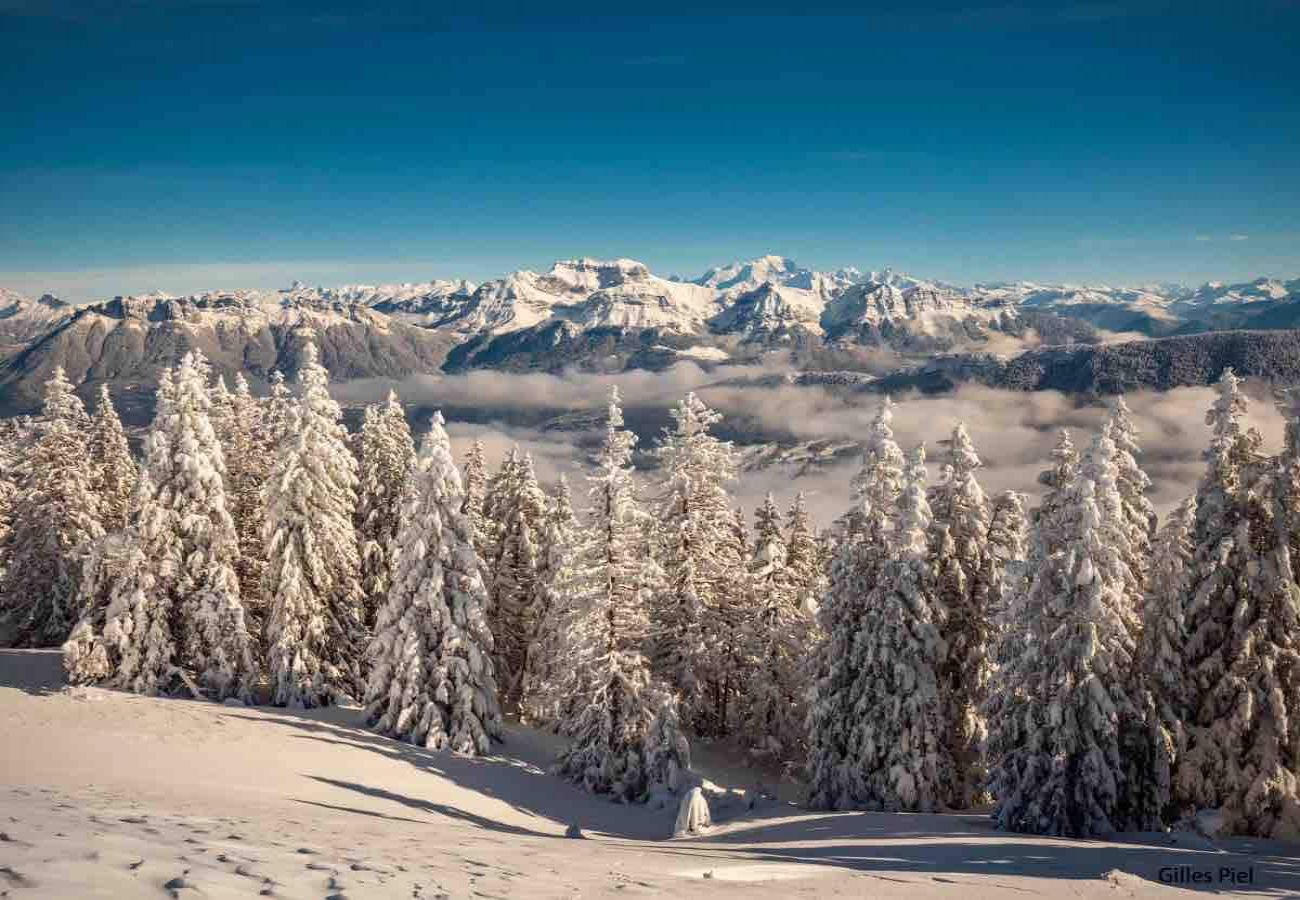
point(612, 315)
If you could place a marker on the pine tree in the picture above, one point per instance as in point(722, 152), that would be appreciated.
point(173, 609)
point(431, 681)
point(277, 414)
point(697, 529)
point(727, 628)
point(852, 576)
point(1162, 647)
point(249, 452)
point(1066, 774)
point(1139, 514)
point(314, 619)
point(625, 740)
point(115, 471)
point(54, 522)
point(900, 756)
point(15, 435)
point(475, 469)
point(1008, 546)
point(960, 553)
point(387, 459)
point(803, 556)
point(518, 509)
point(1243, 628)
point(548, 676)
point(777, 639)
point(1026, 589)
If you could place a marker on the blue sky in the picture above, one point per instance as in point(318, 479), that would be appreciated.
point(216, 143)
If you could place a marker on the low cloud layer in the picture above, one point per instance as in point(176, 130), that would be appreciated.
point(555, 417)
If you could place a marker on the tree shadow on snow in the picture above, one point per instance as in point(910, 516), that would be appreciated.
point(518, 780)
point(940, 845)
point(36, 672)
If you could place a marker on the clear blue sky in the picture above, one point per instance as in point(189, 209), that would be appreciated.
point(191, 143)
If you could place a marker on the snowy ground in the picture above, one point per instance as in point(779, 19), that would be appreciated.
point(110, 795)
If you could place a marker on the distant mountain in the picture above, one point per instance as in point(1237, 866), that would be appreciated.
point(610, 315)
point(22, 319)
point(126, 341)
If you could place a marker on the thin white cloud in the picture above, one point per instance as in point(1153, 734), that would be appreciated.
point(1238, 237)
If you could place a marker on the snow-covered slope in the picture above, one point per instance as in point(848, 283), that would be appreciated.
point(113, 795)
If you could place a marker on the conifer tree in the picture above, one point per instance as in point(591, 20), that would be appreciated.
point(15, 436)
point(959, 550)
point(697, 543)
point(314, 618)
point(624, 734)
point(1162, 647)
point(249, 453)
point(518, 509)
point(852, 576)
point(115, 471)
point(1243, 635)
point(777, 639)
point(173, 610)
point(431, 681)
point(899, 743)
point(54, 521)
point(1139, 514)
point(1065, 773)
point(475, 469)
point(387, 459)
point(803, 558)
point(1005, 712)
point(277, 414)
point(1008, 546)
point(548, 669)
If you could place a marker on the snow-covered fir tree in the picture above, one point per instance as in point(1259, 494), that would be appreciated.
point(548, 670)
point(959, 551)
point(900, 757)
point(431, 680)
point(277, 413)
point(115, 471)
point(1139, 514)
point(728, 628)
point(1008, 547)
point(696, 527)
point(1243, 636)
point(387, 458)
point(852, 576)
point(1065, 773)
point(311, 580)
point(803, 557)
point(249, 454)
point(1004, 712)
point(625, 738)
point(475, 479)
point(54, 521)
point(173, 610)
point(777, 638)
point(517, 507)
point(1162, 646)
point(14, 436)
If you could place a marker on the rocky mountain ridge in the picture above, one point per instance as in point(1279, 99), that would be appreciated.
point(610, 315)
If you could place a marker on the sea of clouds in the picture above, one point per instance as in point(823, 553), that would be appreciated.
point(558, 419)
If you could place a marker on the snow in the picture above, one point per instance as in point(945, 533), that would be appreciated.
point(305, 797)
point(709, 354)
